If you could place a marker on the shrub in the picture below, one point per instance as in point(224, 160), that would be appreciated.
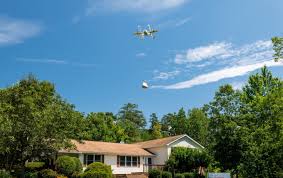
point(48, 173)
point(154, 173)
point(97, 170)
point(99, 166)
point(31, 175)
point(5, 174)
point(68, 165)
point(179, 175)
point(166, 174)
point(96, 174)
point(32, 166)
point(189, 175)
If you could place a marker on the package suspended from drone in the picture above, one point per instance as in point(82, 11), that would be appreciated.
point(144, 85)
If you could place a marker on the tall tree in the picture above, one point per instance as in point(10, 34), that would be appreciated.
point(197, 127)
point(225, 131)
point(101, 127)
point(155, 127)
point(278, 48)
point(132, 120)
point(35, 122)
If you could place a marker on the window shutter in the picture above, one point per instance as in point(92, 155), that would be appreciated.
point(118, 161)
point(85, 159)
point(139, 164)
point(102, 156)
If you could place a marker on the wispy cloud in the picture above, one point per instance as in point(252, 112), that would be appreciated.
point(95, 6)
point(13, 31)
point(140, 54)
point(221, 60)
point(165, 75)
point(215, 50)
point(174, 23)
point(217, 75)
point(54, 62)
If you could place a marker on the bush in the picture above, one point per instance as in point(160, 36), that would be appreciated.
point(32, 166)
point(189, 175)
point(97, 170)
point(166, 174)
point(31, 175)
point(178, 175)
point(68, 165)
point(48, 173)
point(5, 174)
point(96, 174)
point(154, 173)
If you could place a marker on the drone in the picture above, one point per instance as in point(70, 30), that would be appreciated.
point(146, 32)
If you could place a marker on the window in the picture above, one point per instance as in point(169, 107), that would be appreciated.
point(90, 158)
point(128, 161)
point(134, 161)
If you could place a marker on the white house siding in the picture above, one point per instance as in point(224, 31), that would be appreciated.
point(112, 161)
point(183, 142)
point(161, 155)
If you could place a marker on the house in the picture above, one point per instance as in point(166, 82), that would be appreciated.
point(130, 158)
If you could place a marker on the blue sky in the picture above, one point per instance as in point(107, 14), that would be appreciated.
point(86, 48)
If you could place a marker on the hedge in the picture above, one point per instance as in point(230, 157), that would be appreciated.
point(32, 166)
point(166, 174)
point(96, 174)
point(189, 175)
point(48, 173)
point(5, 174)
point(68, 165)
point(179, 175)
point(154, 173)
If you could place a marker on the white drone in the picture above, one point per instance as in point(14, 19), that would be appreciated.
point(146, 32)
point(144, 85)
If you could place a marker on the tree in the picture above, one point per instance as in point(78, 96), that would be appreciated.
point(155, 127)
point(35, 122)
point(132, 120)
point(278, 48)
point(225, 130)
point(197, 127)
point(101, 127)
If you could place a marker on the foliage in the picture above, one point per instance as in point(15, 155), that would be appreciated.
point(189, 175)
point(68, 165)
point(179, 175)
point(48, 173)
point(32, 166)
point(166, 174)
point(5, 174)
point(187, 159)
point(278, 48)
point(101, 126)
point(132, 120)
point(198, 126)
point(98, 167)
point(154, 173)
point(96, 174)
point(31, 175)
point(35, 122)
point(155, 127)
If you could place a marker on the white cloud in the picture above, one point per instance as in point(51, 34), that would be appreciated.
point(132, 5)
point(166, 75)
point(54, 61)
point(215, 50)
point(13, 31)
point(47, 61)
point(182, 21)
point(217, 75)
point(140, 55)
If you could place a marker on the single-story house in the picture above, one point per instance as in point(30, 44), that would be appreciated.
point(130, 158)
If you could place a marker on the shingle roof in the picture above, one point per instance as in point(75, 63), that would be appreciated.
point(107, 148)
point(159, 142)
